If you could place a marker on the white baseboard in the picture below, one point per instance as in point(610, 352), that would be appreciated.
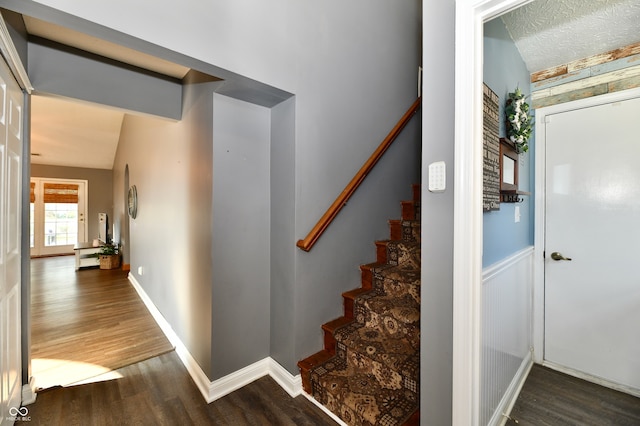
point(500, 416)
point(29, 392)
point(231, 382)
point(593, 379)
point(324, 409)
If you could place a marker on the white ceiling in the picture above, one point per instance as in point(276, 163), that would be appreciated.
point(73, 134)
point(546, 32)
point(549, 33)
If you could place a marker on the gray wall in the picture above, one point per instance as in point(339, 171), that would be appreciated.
point(100, 191)
point(73, 73)
point(283, 268)
point(241, 235)
point(170, 240)
point(353, 70)
point(437, 213)
point(18, 33)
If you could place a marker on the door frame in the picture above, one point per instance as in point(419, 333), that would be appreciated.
point(11, 57)
point(82, 202)
point(470, 16)
point(540, 205)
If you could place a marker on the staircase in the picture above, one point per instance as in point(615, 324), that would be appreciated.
point(368, 372)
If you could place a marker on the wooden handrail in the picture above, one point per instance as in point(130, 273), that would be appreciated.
point(348, 191)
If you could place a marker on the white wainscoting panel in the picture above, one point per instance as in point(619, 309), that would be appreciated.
point(507, 313)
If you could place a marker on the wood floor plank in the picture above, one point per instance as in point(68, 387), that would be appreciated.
point(159, 391)
point(95, 317)
point(551, 398)
point(87, 322)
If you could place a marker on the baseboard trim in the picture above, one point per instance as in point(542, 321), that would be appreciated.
point(593, 379)
point(29, 392)
point(325, 409)
point(212, 390)
point(501, 415)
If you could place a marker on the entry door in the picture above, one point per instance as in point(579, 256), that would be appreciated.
point(58, 221)
point(592, 302)
point(11, 103)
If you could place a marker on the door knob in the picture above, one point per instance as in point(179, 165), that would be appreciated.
point(557, 256)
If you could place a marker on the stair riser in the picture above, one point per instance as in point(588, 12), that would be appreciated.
point(411, 210)
point(404, 230)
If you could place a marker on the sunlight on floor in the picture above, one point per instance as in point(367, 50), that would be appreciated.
point(62, 372)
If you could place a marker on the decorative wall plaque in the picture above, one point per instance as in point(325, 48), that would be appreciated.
point(491, 149)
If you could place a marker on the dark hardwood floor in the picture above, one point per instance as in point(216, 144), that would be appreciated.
point(159, 391)
point(551, 398)
point(92, 324)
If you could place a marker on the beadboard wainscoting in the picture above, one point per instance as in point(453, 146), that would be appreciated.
point(213, 390)
point(506, 333)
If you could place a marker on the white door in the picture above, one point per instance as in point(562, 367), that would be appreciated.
point(11, 102)
point(592, 302)
point(58, 208)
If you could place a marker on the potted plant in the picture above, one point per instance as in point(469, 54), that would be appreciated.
point(109, 256)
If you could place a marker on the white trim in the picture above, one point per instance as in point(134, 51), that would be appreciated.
point(324, 409)
point(593, 379)
point(287, 381)
point(540, 202)
point(8, 50)
point(467, 251)
point(29, 392)
point(506, 263)
point(510, 397)
point(212, 390)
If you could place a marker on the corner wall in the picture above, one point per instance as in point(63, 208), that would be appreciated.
point(438, 137)
point(170, 246)
point(241, 235)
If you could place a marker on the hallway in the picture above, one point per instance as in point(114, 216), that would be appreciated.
point(86, 323)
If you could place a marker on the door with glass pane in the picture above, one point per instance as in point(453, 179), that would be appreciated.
point(57, 215)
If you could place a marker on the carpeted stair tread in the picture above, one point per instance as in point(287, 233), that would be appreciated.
point(360, 394)
point(397, 252)
point(389, 350)
point(404, 310)
point(368, 372)
point(393, 280)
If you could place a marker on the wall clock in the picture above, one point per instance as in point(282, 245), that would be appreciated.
point(133, 202)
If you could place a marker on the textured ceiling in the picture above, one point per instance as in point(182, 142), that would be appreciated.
point(554, 32)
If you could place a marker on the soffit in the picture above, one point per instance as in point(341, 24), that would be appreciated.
point(101, 47)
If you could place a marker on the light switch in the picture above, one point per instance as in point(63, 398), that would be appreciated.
point(437, 176)
point(517, 214)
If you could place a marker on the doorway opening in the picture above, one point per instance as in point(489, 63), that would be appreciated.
point(57, 215)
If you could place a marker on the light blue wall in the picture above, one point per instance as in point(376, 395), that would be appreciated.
point(504, 70)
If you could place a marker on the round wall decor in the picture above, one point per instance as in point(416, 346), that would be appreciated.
point(133, 202)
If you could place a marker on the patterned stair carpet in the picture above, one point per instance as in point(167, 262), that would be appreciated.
point(368, 373)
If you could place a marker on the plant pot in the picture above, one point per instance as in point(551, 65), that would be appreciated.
point(109, 261)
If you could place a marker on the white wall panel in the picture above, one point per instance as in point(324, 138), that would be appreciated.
point(506, 331)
